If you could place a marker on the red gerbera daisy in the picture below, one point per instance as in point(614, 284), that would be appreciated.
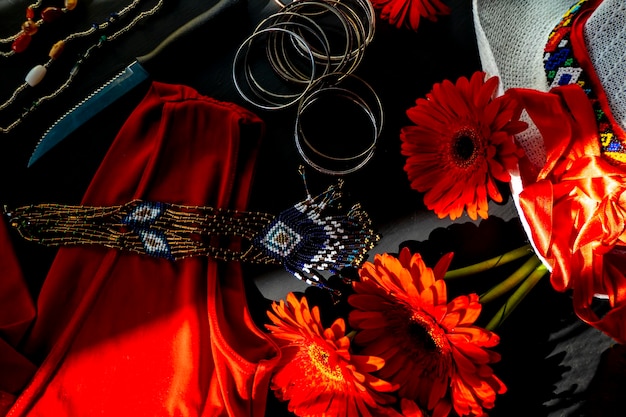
point(430, 346)
point(461, 144)
point(317, 373)
point(407, 13)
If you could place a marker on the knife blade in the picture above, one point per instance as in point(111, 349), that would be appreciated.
point(122, 83)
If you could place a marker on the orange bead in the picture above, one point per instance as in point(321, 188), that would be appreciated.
point(56, 49)
point(29, 27)
point(21, 43)
point(50, 14)
point(71, 4)
point(30, 13)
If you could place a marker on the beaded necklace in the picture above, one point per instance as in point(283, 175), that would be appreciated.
point(21, 40)
point(313, 235)
point(36, 74)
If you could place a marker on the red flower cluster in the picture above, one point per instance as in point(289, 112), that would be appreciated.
point(408, 13)
point(417, 351)
point(317, 373)
point(461, 145)
point(431, 347)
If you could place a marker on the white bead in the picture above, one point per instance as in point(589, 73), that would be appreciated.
point(35, 75)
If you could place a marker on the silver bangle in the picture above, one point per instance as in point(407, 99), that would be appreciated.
point(298, 50)
point(316, 43)
point(252, 90)
point(347, 89)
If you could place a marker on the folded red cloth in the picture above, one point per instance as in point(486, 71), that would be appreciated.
point(124, 334)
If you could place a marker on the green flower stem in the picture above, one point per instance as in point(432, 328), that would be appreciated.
point(512, 281)
point(522, 291)
point(489, 263)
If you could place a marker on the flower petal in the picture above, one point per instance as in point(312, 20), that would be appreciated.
point(452, 180)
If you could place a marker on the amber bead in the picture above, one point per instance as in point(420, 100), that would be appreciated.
point(56, 49)
point(29, 27)
point(71, 4)
point(50, 14)
point(21, 43)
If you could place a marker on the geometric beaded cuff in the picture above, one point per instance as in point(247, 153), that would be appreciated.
point(562, 68)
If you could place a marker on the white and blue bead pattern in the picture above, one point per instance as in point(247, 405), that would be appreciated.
point(141, 219)
point(317, 242)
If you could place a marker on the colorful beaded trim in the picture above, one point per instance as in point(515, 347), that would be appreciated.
point(305, 238)
point(562, 68)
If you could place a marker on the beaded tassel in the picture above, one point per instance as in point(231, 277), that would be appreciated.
point(300, 238)
point(305, 241)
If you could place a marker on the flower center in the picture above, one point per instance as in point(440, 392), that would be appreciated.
point(321, 359)
point(426, 333)
point(465, 147)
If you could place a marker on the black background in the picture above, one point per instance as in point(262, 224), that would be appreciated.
point(552, 364)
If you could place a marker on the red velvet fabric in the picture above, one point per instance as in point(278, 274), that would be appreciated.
point(119, 334)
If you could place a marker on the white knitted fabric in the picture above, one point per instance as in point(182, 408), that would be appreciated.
point(511, 37)
point(605, 37)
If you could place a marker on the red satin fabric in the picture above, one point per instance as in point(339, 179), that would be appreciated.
point(121, 334)
point(576, 206)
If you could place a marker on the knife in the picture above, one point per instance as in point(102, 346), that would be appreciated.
point(130, 77)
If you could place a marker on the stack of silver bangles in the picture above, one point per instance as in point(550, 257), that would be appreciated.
point(305, 55)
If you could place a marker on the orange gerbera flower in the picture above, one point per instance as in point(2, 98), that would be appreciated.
point(407, 13)
point(430, 346)
point(461, 144)
point(317, 373)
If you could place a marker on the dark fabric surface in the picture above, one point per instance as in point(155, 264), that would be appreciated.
point(552, 364)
